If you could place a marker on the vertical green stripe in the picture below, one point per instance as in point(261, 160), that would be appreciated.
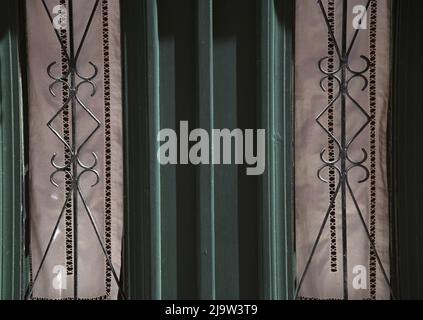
point(142, 262)
point(285, 127)
point(206, 207)
point(10, 154)
point(276, 99)
point(268, 266)
point(225, 91)
point(168, 175)
point(154, 111)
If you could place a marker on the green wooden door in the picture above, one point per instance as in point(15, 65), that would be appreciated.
point(208, 231)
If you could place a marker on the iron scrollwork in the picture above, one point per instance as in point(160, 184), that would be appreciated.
point(342, 162)
point(75, 167)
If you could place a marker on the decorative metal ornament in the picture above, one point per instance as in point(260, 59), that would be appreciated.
point(73, 167)
point(340, 161)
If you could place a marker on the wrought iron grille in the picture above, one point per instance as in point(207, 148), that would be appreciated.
point(73, 167)
point(340, 162)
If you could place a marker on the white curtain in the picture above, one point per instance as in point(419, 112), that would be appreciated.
point(102, 152)
point(324, 279)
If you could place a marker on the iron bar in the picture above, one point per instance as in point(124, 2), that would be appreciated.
point(344, 58)
point(74, 151)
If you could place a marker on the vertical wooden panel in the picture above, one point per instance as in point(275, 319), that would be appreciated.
point(168, 174)
point(226, 176)
point(11, 155)
point(154, 125)
point(206, 180)
point(140, 44)
point(178, 103)
point(277, 270)
point(208, 231)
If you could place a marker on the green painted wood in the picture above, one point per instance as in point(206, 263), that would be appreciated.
point(178, 79)
point(168, 174)
point(225, 64)
point(154, 125)
point(206, 179)
point(208, 232)
point(142, 263)
point(10, 154)
point(184, 21)
point(407, 116)
point(276, 67)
